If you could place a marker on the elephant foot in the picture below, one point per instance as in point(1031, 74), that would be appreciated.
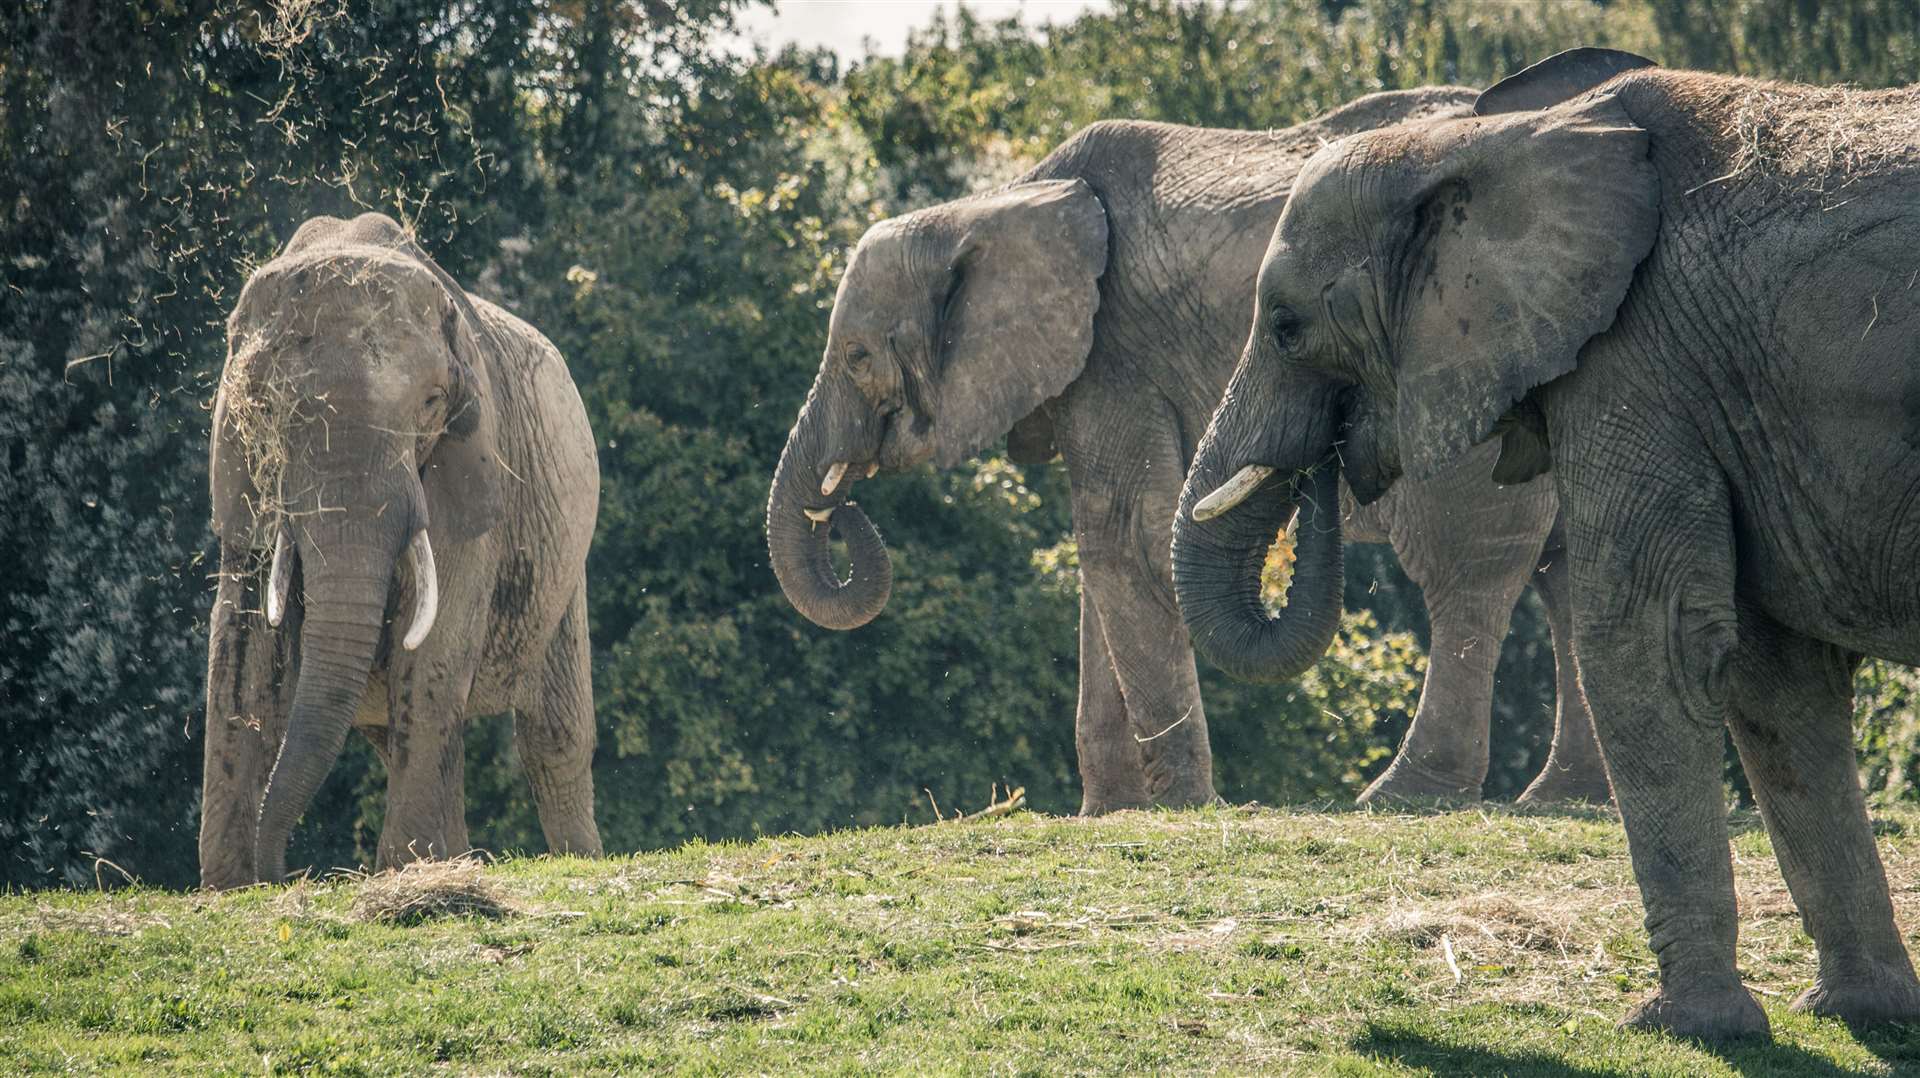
point(1716, 1015)
point(1883, 995)
point(1557, 784)
point(1197, 796)
point(1405, 780)
point(1092, 804)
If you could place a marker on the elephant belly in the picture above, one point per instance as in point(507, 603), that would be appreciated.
point(1846, 575)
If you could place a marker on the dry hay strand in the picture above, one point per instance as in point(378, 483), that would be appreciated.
point(1494, 918)
point(262, 403)
point(288, 24)
point(1821, 138)
point(110, 919)
point(427, 890)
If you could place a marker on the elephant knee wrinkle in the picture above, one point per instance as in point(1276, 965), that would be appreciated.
point(1702, 637)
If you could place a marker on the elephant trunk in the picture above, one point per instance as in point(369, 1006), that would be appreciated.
point(349, 572)
point(809, 500)
point(1244, 494)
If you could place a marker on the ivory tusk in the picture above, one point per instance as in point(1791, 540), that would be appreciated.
point(426, 590)
point(1232, 492)
point(833, 477)
point(873, 469)
point(819, 516)
point(279, 580)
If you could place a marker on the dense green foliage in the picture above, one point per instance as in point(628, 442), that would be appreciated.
point(675, 217)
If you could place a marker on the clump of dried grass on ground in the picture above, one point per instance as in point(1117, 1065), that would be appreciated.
point(428, 890)
point(1821, 138)
point(1501, 919)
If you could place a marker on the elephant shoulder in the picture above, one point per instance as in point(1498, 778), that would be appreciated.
point(1113, 155)
point(521, 346)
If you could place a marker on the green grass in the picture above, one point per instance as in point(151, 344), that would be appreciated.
point(1218, 941)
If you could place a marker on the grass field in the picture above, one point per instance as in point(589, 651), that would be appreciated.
point(1222, 941)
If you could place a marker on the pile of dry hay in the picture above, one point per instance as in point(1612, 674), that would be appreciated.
point(426, 890)
point(1821, 138)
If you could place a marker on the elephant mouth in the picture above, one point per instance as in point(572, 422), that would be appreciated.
point(836, 482)
point(1366, 463)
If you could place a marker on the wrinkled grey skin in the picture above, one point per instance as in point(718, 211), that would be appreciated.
point(1094, 308)
point(1689, 296)
point(400, 404)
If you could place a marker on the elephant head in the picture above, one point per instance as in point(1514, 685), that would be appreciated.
point(353, 416)
point(952, 324)
point(1421, 281)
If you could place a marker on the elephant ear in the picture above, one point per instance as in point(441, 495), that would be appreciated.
point(1559, 77)
point(463, 476)
point(1526, 233)
point(1016, 316)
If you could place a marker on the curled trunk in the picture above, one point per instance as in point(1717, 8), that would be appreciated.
point(1216, 574)
point(797, 536)
point(1287, 423)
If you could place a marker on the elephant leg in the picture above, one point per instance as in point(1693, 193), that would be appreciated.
point(553, 730)
point(1793, 724)
point(1575, 770)
point(1655, 631)
point(426, 762)
point(1444, 754)
point(1112, 773)
point(1471, 546)
point(1152, 663)
point(1126, 484)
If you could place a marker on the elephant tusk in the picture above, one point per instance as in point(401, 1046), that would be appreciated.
point(873, 469)
point(1232, 492)
point(833, 477)
point(426, 589)
point(819, 516)
point(279, 580)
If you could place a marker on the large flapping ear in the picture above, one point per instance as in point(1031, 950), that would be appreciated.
point(1528, 231)
point(464, 478)
point(1560, 77)
point(1016, 317)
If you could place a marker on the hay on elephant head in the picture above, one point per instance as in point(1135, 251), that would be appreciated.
point(267, 387)
point(262, 403)
point(427, 890)
point(1820, 138)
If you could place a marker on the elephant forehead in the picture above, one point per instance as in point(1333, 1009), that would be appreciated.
point(881, 286)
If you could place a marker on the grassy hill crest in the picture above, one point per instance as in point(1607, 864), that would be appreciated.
point(1224, 941)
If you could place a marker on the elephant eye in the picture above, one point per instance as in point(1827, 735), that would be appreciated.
point(858, 359)
point(1287, 329)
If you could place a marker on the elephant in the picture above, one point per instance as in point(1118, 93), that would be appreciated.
point(1092, 310)
point(403, 489)
point(1688, 298)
